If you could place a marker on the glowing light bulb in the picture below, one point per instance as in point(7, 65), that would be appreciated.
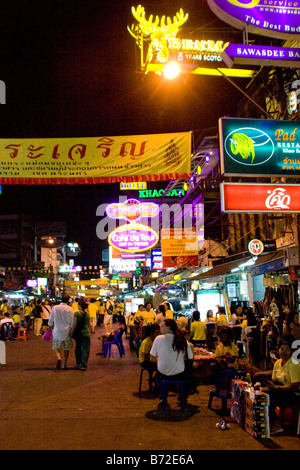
point(171, 70)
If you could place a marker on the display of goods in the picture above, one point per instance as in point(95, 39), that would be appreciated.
point(257, 431)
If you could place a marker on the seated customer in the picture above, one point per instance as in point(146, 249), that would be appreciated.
point(226, 354)
point(110, 336)
point(284, 388)
point(198, 329)
point(151, 331)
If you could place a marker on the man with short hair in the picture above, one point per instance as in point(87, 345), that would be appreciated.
point(61, 322)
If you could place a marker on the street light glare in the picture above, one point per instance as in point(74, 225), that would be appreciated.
point(171, 70)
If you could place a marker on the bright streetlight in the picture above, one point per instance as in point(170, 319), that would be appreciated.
point(171, 70)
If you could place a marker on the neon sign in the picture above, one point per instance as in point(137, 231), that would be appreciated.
point(259, 147)
point(133, 238)
point(196, 56)
point(132, 210)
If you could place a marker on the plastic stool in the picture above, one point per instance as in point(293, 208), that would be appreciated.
point(150, 372)
point(165, 383)
point(22, 334)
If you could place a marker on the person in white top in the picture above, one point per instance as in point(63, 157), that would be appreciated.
point(170, 349)
point(61, 322)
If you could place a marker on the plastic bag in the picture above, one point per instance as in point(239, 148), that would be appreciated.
point(47, 336)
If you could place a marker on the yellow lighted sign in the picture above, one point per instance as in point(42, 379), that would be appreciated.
point(203, 55)
point(130, 186)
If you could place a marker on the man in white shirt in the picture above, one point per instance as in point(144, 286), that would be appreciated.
point(61, 322)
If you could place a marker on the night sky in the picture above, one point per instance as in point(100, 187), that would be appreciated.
point(70, 71)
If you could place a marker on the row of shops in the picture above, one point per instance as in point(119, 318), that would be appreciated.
point(239, 282)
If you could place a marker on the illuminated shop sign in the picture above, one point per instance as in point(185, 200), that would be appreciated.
point(132, 209)
point(156, 260)
point(69, 269)
point(273, 18)
point(256, 247)
point(196, 56)
point(32, 283)
point(155, 193)
point(261, 55)
point(133, 238)
point(259, 147)
point(256, 198)
point(133, 186)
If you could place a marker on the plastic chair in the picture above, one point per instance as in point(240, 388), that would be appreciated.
point(118, 342)
point(150, 372)
point(22, 334)
point(165, 383)
point(295, 409)
point(221, 392)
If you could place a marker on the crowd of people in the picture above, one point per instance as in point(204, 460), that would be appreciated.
point(165, 343)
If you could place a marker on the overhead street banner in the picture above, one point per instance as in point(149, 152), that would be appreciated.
point(257, 198)
point(92, 160)
point(259, 147)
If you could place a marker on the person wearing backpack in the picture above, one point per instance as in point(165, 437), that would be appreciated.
point(81, 334)
point(109, 308)
point(37, 313)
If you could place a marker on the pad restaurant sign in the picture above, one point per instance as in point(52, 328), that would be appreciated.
point(273, 18)
point(259, 147)
point(95, 160)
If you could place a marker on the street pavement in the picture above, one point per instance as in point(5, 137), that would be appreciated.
point(101, 409)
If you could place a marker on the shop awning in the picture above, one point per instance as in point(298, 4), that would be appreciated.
point(220, 270)
point(268, 263)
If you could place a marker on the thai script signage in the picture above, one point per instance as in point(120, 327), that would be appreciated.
point(259, 147)
point(273, 18)
point(95, 159)
point(201, 56)
point(261, 55)
point(256, 198)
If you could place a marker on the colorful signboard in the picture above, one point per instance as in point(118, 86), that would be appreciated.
point(256, 247)
point(257, 198)
point(133, 238)
point(156, 260)
point(132, 210)
point(279, 19)
point(133, 186)
point(151, 157)
point(261, 55)
point(259, 147)
point(199, 56)
point(160, 193)
point(179, 248)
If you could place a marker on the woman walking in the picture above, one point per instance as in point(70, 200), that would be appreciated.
point(81, 333)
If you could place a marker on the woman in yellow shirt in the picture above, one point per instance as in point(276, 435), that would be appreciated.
point(226, 354)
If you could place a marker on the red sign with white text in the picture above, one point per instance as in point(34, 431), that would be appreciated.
point(253, 197)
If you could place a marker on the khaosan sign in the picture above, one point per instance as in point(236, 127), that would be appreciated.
point(259, 147)
point(93, 160)
point(257, 198)
point(273, 18)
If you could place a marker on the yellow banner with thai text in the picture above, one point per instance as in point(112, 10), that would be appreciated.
point(150, 157)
